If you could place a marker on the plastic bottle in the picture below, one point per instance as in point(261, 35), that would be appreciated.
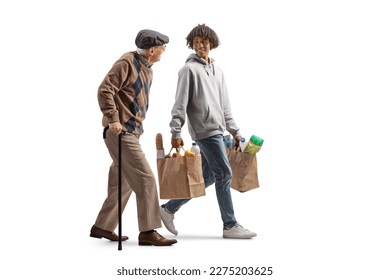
point(254, 145)
point(243, 143)
point(228, 140)
point(195, 148)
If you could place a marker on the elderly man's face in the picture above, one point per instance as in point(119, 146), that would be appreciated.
point(157, 52)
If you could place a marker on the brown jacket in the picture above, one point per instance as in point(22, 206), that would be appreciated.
point(123, 94)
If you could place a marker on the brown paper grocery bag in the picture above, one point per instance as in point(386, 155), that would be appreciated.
point(180, 177)
point(244, 170)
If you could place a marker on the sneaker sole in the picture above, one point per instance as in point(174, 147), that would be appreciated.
point(239, 237)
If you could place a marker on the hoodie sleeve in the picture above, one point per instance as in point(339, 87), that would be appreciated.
point(231, 125)
point(179, 109)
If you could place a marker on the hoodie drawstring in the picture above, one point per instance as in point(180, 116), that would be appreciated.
point(213, 70)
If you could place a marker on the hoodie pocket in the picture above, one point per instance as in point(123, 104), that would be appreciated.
point(214, 118)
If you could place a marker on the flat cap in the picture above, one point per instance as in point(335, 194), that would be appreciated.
point(147, 38)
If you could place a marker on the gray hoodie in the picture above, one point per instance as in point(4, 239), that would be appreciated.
point(202, 94)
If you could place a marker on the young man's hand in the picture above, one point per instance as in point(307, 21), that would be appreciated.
point(177, 143)
point(238, 140)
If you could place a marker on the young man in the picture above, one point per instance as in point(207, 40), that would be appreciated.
point(123, 99)
point(202, 96)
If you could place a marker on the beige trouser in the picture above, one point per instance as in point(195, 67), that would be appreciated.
point(137, 176)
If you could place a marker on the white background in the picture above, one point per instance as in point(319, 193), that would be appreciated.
point(310, 77)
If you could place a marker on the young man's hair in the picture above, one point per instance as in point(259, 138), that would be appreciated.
point(203, 31)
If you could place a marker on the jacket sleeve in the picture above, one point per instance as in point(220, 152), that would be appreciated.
point(111, 84)
point(179, 109)
point(231, 125)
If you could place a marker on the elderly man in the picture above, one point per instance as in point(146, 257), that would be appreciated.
point(124, 99)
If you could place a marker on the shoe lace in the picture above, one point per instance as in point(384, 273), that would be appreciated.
point(170, 215)
point(241, 227)
point(159, 235)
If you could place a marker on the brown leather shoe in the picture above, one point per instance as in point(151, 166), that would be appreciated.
point(99, 233)
point(154, 238)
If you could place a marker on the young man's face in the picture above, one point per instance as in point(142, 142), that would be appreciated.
point(201, 47)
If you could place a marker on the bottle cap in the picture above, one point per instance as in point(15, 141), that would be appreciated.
point(242, 139)
point(256, 140)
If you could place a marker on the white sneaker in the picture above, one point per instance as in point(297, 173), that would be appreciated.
point(167, 219)
point(237, 231)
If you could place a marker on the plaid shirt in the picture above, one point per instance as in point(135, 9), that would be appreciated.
point(123, 95)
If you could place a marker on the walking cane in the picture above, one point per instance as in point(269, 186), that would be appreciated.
point(120, 191)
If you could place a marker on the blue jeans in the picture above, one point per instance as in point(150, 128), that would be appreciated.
point(216, 169)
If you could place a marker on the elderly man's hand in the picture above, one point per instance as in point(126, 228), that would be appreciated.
point(115, 127)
